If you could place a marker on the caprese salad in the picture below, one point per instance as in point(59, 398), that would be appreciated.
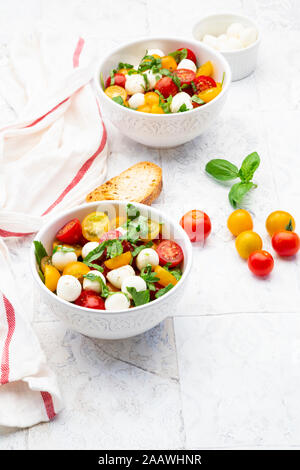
point(161, 83)
point(96, 265)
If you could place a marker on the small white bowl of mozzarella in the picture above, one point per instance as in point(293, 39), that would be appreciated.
point(235, 36)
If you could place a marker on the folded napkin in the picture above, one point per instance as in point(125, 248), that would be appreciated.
point(51, 155)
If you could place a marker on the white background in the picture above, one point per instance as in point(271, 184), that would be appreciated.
point(226, 372)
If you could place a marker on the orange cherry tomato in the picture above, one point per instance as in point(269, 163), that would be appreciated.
point(156, 109)
point(52, 276)
point(205, 69)
point(114, 91)
point(168, 62)
point(118, 261)
point(164, 276)
point(151, 98)
point(278, 221)
point(144, 108)
point(76, 269)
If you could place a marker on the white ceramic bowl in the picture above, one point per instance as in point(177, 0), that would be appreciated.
point(243, 61)
point(101, 323)
point(162, 130)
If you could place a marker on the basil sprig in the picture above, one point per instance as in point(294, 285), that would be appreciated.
point(40, 253)
point(139, 297)
point(149, 277)
point(223, 170)
point(163, 291)
point(104, 289)
point(179, 55)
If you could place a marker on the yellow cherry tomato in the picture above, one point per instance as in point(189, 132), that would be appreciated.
point(168, 62)
point(205, 69)
point(247, 242)
point(76, 269)
point(118, 261)
point(44, 262)
point(144, 108)
point(153, 230)
point(278, 221)
point(239, 221)
point(156, 109)
point(77, 248)
point(51, 277)
point(114, 90)
point(123, 71)
point(164, 276)
point(151, 98)
point(94, 225)
point(211, 93)
point(117, 222)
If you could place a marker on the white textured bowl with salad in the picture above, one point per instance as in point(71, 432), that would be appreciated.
point(111, 269)
point(163, 92)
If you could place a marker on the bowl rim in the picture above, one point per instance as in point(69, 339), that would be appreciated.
point(131, 310)
point(236, 15)
point(226, 67)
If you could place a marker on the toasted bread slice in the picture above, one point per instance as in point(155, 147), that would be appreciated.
point(139, 183)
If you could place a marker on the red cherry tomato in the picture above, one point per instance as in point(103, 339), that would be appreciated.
point(89, 299)
point(70, 233)
point(197, 225)
point(169, 252)
point(82, 240)
point(204, 83)
point(185, 76)
point(166, 87)
point(286, 243)
point(190, 54)
point(110, 235)
point(120, 80)
point(261, 263)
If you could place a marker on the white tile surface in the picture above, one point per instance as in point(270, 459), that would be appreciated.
point(240, 380)
point(238, 377)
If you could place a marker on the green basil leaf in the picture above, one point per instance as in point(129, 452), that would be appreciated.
point(163, 291)
point(39, 251)
point(102, 81)
point(183, 108)
point(114, 248)
point(198, 100)
point(95, 266)
point(119, 100)
point(139, 297)
point(179, 55)
point(222, 170)
point(238, 192)
point(96, 253)
point(104, 289)
point(249, 166)
point(139, 248)
point(63, 249)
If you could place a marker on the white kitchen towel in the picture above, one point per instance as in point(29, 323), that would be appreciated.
point(51, 156)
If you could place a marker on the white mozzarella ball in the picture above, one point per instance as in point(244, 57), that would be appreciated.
point(187, 64)
point(235, 30)
point(233, 44)
point(68, 288)
point(133, 281)
point(180, 99)
point(210, 40)
point(156, 52)
point(136, 100)
point(152, 78)
point(122, 230)
point(222, 42)
point(93, 285)
point(60, 259)
point(117, 301)
point(147, 256)
point(248, 36)
point(88, 247)
point(135, 83)
point(117, 276)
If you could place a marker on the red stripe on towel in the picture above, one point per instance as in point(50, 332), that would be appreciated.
point(48, 402)
point(11, 321)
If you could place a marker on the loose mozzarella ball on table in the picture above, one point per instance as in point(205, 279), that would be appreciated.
point(136, 100)
point(248, 36)
point(187, 64)
point(180, 99)
point(117, 301)
point(135, 83)
point(210, 40)
point(234, 30)
point(156, 52)
point(88, 247)
point(68, 288)
point(94, 285)
point(133, 281)
point(147, 256)
point(117, 276)
point(60, 259)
